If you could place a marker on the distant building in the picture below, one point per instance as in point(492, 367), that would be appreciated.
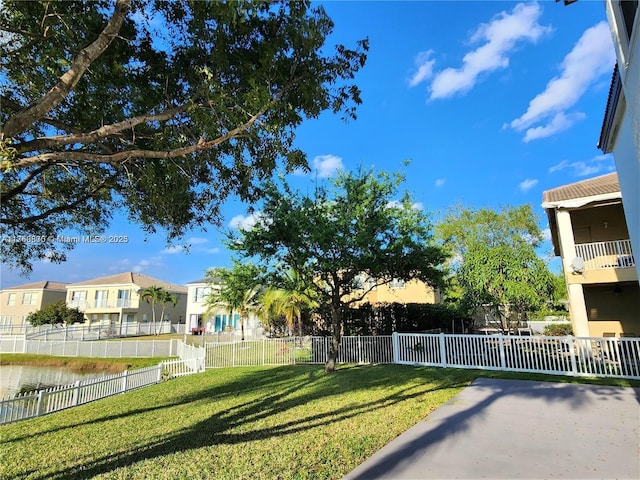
point(16, 303)
point(218, 320)
point(398, 291)
point(589, 232)
point(115, 300)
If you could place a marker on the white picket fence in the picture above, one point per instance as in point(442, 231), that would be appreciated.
point(100, 349)
point(604, 357)
point(36, 403)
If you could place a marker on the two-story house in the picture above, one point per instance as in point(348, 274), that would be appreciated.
point(115, 300)
point(589, 231)
point(217, 320)
point(16, 303)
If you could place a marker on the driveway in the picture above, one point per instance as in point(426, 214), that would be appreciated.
point(519, 429)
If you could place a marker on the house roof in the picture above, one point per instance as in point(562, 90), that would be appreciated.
point(615, 91)
point(44, 285)
point(205, 281)
point(603, 187)
point(128, 278)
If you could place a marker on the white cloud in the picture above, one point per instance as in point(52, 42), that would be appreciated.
point(212, 250)
point(425, 63)
point(528, 184)
point(246, 223)
point(546, 234)
point(327, 165)
point(440, 182)
point(593, 166)
point(559, 123)
point(398, 204)
point(591, 57)
point(500, 37)
point(174, 249)
point(197, 241)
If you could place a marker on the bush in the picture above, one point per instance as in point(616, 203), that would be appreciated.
point(558, 330)
point(56, 313)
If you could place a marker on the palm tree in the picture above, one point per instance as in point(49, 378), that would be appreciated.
point(291, 300)
point(244, 302)
point(166, 297)
point(151, 295)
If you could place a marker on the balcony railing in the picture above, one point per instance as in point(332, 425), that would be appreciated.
point(104, 303)
point(603, 255)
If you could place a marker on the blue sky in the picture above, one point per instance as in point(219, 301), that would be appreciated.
point(492, 102)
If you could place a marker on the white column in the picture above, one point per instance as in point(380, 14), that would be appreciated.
point(575, 291)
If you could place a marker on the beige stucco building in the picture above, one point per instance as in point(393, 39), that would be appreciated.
point(398, 291)
point(115, 300)
point(589, 231)
point(16, 303)
point(620, 133)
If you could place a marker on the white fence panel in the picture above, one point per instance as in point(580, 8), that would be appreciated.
point(603, 357)
point(100, 349)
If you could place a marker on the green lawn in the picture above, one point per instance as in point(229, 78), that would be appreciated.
point(238, 423)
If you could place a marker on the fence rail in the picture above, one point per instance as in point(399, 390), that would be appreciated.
point(99, 349)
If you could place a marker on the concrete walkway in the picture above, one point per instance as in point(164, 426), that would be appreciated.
point(519, 429)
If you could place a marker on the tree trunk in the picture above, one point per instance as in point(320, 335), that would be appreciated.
point(242, 328)
point(336, 333)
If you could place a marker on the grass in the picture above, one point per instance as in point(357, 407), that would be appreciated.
point(239, 423)
point(79, 364)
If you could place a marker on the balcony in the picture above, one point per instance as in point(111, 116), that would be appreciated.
point(103, 304)
point(606, 255)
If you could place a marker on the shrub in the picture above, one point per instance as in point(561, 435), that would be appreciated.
point(558, 329)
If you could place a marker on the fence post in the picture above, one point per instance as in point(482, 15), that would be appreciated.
point(395, 347)
point(359, 349)
point(263, 340)
point(125, 376)
point(233, 354)
point(294, 349)
point(503, 358)
point(159, 373)
point(40, 403)
point(572, 351)
point(76, 394)
point(443, 352)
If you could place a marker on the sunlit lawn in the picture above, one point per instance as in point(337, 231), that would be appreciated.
point(252, 423)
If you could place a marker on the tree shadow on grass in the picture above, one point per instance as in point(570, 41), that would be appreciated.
point(275, 392)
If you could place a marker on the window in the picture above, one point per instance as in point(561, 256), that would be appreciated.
point(124, 297)
point(78, 297)
point(30, 299)
point(101, 298)
point(201, 294)
point(6, 320)
point(12, 299)
point(397, 283)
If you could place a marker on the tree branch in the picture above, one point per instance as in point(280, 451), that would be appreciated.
point(58, 209)
point(100, 133)
point(68, 81)
point(115, 159)
point(4, 196)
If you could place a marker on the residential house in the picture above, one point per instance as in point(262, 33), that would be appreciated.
point(218, 320)
point(399, 291)
point(589, 231)
point(16, 303)
point(620, 132)
point(115, 301)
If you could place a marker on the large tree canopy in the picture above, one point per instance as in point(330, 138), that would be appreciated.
point(357, 228)
point(160, 109)
point(495, 262)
